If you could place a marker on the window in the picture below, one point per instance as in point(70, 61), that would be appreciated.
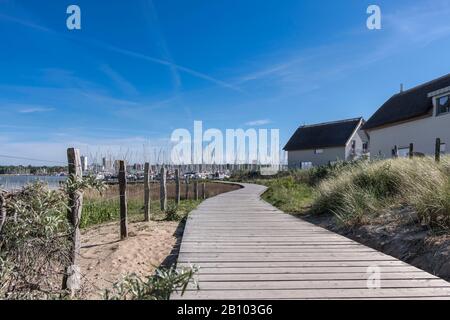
point(443, 104)
point(318, 151)
point(306, 165)
point(365, 147)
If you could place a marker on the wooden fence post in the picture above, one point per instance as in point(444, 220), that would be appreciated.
point(163, 189)
point(411, 150)
point(438, 150)
point(187, 188)
point(177, 187)
point(72, 276)
point(147, 192)
point(203, 190)
point(196, 190)
point(2, 211)
point(395, 152)
point(123, 200)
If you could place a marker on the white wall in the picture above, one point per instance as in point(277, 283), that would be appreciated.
point(295, 158)
point(422, 133)
point(360, 138)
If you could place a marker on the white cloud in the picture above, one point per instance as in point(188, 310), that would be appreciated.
point(123, 84)
point(256, 123)
point(35, 110)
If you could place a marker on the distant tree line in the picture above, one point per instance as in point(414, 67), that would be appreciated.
point(37, 170)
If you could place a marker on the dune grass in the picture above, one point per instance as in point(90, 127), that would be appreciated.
point(359, 191)
point(366, 189)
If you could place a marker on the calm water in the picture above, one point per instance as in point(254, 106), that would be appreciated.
point(8, 182)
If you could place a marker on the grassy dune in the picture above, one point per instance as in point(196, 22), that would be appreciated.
point(357, 192)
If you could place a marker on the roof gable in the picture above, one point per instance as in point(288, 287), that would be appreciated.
point(407, 105)
point(324, 135)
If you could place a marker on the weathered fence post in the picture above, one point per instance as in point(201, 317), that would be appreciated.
point(187, 188)
point(411, 150)
point(163, 189)
point(2, 211)
point(203, 190)
point(147, 192)
point(123, 200)
point(177, 187)
point(395, 152)
point(438, 150)
point(196, 190)
point(72, 276)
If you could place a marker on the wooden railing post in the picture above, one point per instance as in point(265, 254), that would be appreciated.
point(203, 190)
point(187, 188)
point(411, 150)
point(2, 211)
point(147, 192)
point(123, 200)
point(177, 187)
point(438, 150)
point(196, 190)
point(163, 189)
point(72, 276)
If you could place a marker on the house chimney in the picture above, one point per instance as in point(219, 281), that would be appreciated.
point(401, 87)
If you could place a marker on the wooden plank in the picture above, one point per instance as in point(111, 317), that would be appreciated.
point(266, 277)
point(318, 284)
point(307, 264)
point(194, 250)
point(318, 293)
point(245, 256)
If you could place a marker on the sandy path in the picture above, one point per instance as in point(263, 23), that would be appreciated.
point(105, 259)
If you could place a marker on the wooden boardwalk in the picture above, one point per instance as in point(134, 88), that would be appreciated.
point(247, 249)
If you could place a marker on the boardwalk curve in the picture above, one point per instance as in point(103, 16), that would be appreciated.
point(248, 249)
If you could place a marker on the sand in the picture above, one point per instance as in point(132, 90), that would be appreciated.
point(105, 259)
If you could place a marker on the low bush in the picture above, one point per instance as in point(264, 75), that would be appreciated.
point(156, 287)
point(287, 194)
point(34, 244)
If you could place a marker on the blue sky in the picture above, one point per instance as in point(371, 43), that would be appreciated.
point(139, 69)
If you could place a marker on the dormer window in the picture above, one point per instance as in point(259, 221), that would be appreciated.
point(443, 104)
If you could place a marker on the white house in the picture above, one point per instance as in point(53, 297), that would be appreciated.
point(324, 143)
point(416, 118)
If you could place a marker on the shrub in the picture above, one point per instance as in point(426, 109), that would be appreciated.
point(172, 212)
point(156, 287)
point(288, 194)
point(34, 244)
point(35, 240)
